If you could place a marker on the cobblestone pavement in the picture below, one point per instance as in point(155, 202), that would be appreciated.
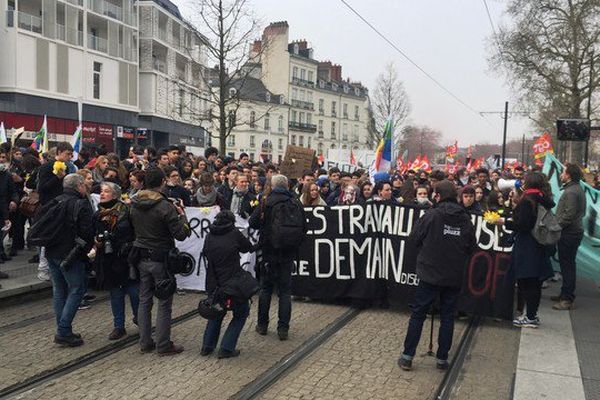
point(359, 362)
point(489, 368)
point(29, 351)
point(128, 374)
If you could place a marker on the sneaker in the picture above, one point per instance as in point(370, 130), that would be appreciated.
point(206, 351)
point(405, 364)
point(283, 334)
point(525, 322)
point(84, 305)
point(564, 305)
point(556, 298)
point(43, 276)
point(148, 349)
point(442, 364)
point(228, 353)
point(68, 341)
point(545, 285)
point(34, 260)
point(261, 330)
point(171, 351)
point(89, 297)
point(3, 275)
point(557, 277)
point(117, 334)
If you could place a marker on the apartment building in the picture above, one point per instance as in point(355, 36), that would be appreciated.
point(173, 90)
point(59, 54)
point(326, 111)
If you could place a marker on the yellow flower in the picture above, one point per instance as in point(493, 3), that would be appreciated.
point(491, 217)
point(59, 166)
point(254, 203)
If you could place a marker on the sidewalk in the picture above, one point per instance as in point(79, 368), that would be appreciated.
point(560, 359)
point(22, 276)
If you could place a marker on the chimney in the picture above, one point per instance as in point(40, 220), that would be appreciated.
point(302, 44)
point(276, 28)
point(323, 70)
point(257, 46)
point(336, 73)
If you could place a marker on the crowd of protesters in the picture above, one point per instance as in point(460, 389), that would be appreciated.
point(171, 179)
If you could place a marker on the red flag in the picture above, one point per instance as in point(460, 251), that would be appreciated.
point(352, 158)
point(542, 145)
point(416, 164)
point(452, 150)
point(321, 159)
point(425, 164)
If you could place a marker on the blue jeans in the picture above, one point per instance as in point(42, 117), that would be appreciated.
point(117, 302)
point(421, 304)
point(241, 310)
point(278, 274)
point(68, 288)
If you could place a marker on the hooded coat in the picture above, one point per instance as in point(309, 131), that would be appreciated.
point(222, 249)
point(446, 239)
point(156, 222)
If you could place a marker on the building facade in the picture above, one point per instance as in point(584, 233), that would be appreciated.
point(62, 55)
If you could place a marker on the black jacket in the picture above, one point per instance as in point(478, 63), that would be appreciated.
point(178, 192)
point(79, 215)
point(226, 193)
point(8, 193)
point(262, 219)
point(156, 222)
point(445, 238)
point(222, 248)
point(49, 185)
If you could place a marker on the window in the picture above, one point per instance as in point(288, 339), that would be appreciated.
point(181, 101)
point(232, 121)
point(267, 124)
point(345, 132)
point(251, 155)
point(280, 144)
point(322, 84)
point(346, 89)
point(294, 113)
point(303, 74)
point(357, 91)
point(301, 141)
point(320, 148)
point(345, 110)
point(309, 118)
point(295, 72)
point(97, 78)
point(333, 109)
point(355, 133)
point(356, 116)
point(293, 140)
point(280, 123)
point(333, 130)
point(321, 106)
point(310, 76)
point(309, 96)
point(231, 140)
point(302, 118)
point(268, 97)
point(294, 94)
point(252, 142)
point(302, 95)
point(308, 142)
point(334, 86)
point(320, 128)
point(252, 119)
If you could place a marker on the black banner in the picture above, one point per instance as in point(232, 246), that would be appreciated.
point(363, 252)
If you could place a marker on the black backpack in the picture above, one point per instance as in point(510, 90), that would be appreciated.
point(48, 229)
point(287, 225)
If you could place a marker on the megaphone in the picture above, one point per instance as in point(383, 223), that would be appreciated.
point(505, 184)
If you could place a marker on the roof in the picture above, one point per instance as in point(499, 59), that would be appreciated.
point(170, 7)
point(328, 85)
point(253, 89)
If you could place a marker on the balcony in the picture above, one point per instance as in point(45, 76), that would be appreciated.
point(97, 43)
point(160, 65)
point(163, 35)
point(29, 22)
point(302, 82)
point(76, 2)
point(108, 9)
point(301, 126)
point(303, 104)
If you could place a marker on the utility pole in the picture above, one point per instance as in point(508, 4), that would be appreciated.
point(589, 110)
point(504, 135)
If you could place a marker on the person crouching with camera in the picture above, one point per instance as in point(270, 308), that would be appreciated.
point(222, 249)
point(114, 235)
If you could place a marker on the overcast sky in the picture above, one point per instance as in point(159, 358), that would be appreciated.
point(447, 38)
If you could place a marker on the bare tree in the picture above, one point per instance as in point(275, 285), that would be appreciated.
point(388, 98)
point(419, 140)
point(226, 27)
point(546, 54)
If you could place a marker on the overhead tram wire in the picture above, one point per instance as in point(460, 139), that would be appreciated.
point(395, 47)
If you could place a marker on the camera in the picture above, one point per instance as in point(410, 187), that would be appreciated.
point(75, 254)
point(104, 238)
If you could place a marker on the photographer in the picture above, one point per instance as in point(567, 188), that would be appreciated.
point(114, 235)
point(157, 222)
point(66, 257)
point(222, 249)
